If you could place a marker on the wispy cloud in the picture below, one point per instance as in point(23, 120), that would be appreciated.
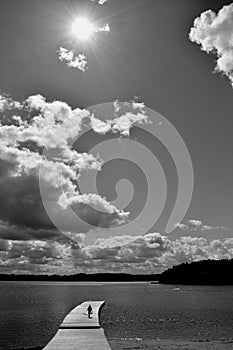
point(195, 224)
point(100, 2)
point(74, 61)
point(214, 33)
point(104, 28)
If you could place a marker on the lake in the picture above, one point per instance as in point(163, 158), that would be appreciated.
point(30, 312)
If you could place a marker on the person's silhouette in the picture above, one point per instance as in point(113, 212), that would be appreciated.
point(89, 311)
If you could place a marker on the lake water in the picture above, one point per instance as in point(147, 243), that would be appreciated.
point(30, 312)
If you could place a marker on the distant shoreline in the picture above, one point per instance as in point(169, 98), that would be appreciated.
point(91, 278)
point(94, 283)
point(205, 272)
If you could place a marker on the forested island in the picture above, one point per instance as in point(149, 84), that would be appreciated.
point(205, 272)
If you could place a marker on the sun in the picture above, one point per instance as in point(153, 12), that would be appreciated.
point(83, 28)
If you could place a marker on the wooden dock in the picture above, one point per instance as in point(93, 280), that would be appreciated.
point(78, 332)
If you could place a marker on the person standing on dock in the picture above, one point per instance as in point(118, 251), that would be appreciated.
point(89, 311)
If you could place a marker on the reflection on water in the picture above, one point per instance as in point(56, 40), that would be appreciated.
point(30, 312)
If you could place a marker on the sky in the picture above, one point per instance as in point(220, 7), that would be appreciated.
point(152, 70)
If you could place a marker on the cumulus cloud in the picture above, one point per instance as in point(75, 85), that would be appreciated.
point(123, 122)
point(50, 127)
point(213, 31)
point(151, 253)
point(7, 103)
point(34, 256)
point(40, 137)
point(128, 248)
point(195, 224)
point(74, 61)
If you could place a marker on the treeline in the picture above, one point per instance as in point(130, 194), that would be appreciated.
point(82, 277)
point(206, 272)
point(212, 272)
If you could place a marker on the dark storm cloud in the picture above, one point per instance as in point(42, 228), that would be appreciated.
point(25, 233)
point(20, 200)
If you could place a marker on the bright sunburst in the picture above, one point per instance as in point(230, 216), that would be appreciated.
point(83, 28)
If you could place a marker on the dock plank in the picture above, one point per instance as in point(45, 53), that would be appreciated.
point(78, 332)
point(77, 318)
point(79, 339)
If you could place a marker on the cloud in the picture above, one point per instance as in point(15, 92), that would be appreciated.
point(151, 253)
point(195, 224)
point(6, 103)
point(123, 122)
point(127, 248)
point(50, 126)
point(74, 61)
point(100, 2)
point(33, 256)
point(104, 28)
point(18, 232)
point(214, 33)
point(38, 136)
